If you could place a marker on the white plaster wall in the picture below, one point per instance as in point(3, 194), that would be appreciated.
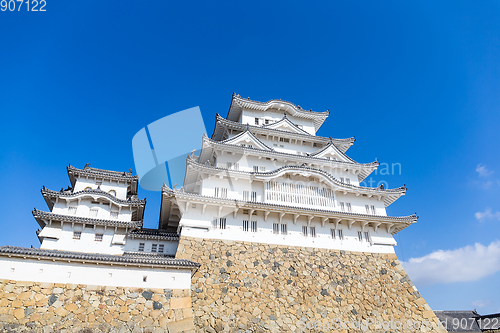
point(83, 209)
point(132, 245)
point(106, 186)
point(87, 242)
point(248, 117)
point(92, 274)
point(294, 237)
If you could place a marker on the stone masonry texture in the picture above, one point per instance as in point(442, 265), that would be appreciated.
point(52, 307)
point(254, 287)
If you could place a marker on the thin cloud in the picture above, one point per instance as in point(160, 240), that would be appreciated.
point(483, 171)
point(480, 303)
point(487, 215)
point(469, 263)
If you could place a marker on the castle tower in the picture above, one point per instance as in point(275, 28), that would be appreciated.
point(286, 236)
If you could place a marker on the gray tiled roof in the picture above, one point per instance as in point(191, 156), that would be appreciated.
point(133, 201)
point(154, 233)
point(38, 214)
point(459, 321)
point(135, 259)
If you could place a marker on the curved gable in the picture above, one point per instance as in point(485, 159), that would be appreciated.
point(247, 139)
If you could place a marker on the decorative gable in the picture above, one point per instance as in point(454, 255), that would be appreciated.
point(247, 139)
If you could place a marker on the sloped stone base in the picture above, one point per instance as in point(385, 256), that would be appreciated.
point(49, 307)
point(251, 286)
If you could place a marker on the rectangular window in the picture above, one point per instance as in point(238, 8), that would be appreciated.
point(233, 165)
point(340, 234)
point(284, 140)
point(266, 121)
point(222, 223)
point(284, 229)
point(245, 195)
point(245, 225)
point(373, 209)
point(161, 248)
point(113, 215)
point(254, 196)
point(276, 228)
point(153, 247)
point(367, 236)
point(312, 231)
point(255, 168)
point(342, 179)
point(223, 192)
point(72, 210)
point(332, 232)
point(342, 206)
point(93, 212)
point(256, 121)
point(254, 226)
point(304, 231)
point(216, 192)
point(77, 234)
point(262, 168)
point(347, 180)
point(214, 223)
point(367, 207)
point(348, 206)
point(141, 247)
point(360, 236)
point(98, 237)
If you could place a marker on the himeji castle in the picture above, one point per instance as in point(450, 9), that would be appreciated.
point(265, 176)
point(271, 231)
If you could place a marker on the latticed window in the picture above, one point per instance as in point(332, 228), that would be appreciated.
point(254, 196)
point(304, 230)
point(360, 236)
point(98, 237)
point(283, 229)
point(77, 234)
point(340, 234)
point(332, 232)
point(367, 236)
point(222, 223)
point(348, 207)
point(276, 228)
point(246, 195)
point(245, 225)
point(141, 247)
point(113, 215)
point(254, 226)
point(223, 192)
point(312, 231)
point(255, 168)
point(161, 248)
point(154, 247)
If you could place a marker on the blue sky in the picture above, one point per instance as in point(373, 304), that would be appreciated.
point(416, 82)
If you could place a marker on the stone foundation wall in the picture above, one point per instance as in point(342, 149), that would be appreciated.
point(49, 307)
point(258, 287)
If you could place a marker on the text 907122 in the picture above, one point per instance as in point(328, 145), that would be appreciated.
point(23, 5)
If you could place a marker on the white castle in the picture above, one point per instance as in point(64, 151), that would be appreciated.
point(263, 177)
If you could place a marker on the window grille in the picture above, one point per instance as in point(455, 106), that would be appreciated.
point(93, 212)
point(276, 228)
point(312, 231)
point(254, 226)
point(367, 207)
point(332, 232)
point(153, 247)
point(254, 196)
point(245, 195)
point(340, 234)
point(373, 209)
point(223, 193)
point(342, 206)
point(216, 192)
point(266, 121)
point(284, 229)
point(347, 180)
point(360, 236)
point(367, 236)
point(161, 248)
point(98, 237)
point(304, 231)
point(77, 234)
point(214, 223)
point(141, 247)
point(262, 168)
point(222, 223)
point(245, 225)
point(348, 206)
point(255, 168)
